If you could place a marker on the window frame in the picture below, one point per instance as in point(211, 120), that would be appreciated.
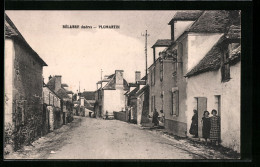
point(175, 101)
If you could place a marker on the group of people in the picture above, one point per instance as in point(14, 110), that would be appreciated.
point(155, 119)
point(210, 126)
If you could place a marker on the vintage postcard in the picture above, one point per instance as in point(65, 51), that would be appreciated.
point(133, 84)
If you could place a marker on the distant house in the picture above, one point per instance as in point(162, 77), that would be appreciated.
point(220, 71)
point(90, 99)
point(58, 87)
point(110, 97)
point(23, 88)
point(52, 114)
point(131, 99)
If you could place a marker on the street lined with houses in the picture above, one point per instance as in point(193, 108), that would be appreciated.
point(185, 106)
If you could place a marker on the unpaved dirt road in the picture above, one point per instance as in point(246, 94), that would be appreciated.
point(90, 138)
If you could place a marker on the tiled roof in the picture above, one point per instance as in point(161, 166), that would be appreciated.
point(51, 83)
point(213, 21)
point(190, 15)
point(62, 93)
point(162, 42)
point(133, 92)
point(44, 85)
point(12, 32)
point(111, 85)
point(88, 95)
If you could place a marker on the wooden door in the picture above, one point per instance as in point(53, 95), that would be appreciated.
point(202, 106)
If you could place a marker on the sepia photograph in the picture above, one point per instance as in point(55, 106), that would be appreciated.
point(122, 84)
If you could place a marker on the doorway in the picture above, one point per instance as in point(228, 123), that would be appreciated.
point(201, 107)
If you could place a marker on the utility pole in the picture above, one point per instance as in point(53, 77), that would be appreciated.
point(101, 78)
point(145, 35)
point(79, 86)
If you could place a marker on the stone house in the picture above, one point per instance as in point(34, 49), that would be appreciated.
point(214, 83)
point(111, 96)
point(52, 114)
point(59, 88)
point(160, 83)
point(23, 88)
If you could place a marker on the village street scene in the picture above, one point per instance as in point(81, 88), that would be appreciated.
point(122, 84)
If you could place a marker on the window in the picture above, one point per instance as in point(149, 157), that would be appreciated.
point(174, 68)
point(161, 71)
point(153, 104)
point(175, 101)
point(225, 69)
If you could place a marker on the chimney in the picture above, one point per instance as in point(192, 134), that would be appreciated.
point(119, 78)
point(50, 77)
point(137, 76)
point(172, 31)
point(57, 82)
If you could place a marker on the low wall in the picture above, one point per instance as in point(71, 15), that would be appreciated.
point(120, 115)
point(176, 127)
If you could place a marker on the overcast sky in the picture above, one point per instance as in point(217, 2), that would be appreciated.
point(80, 54)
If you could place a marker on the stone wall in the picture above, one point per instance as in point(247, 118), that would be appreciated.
point(27, 96)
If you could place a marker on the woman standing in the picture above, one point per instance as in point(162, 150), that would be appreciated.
point(214, 127)
point(205, 126)
point(155, 118)
point(194, 124)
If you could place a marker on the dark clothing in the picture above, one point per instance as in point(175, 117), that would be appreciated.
point(194, 125)
point(155, 118)
point(205, 127)
point(215, 128)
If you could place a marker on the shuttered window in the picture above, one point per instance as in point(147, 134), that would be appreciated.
point(175, 102)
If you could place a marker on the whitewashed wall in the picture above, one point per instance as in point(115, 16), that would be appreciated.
point(208, 85)
point(113, 100)
point(180, 27)
point(198, 46)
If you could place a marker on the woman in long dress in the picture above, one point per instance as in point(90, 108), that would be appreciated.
point(194, 124)
point(214, 127)
point(155, 118)
point(205, 126)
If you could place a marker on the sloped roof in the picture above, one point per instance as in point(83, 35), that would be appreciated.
point(189, 15)
point(133, 92)
point(162, 43)
point(62, 93)
point(51, 83)
point(111, 85)
point(44, 85)
point(88, 95)
point(12, 32)
point(143, 89)
point(212, 59)
point(212, 21)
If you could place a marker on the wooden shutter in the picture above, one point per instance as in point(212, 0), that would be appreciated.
point(175, 101)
